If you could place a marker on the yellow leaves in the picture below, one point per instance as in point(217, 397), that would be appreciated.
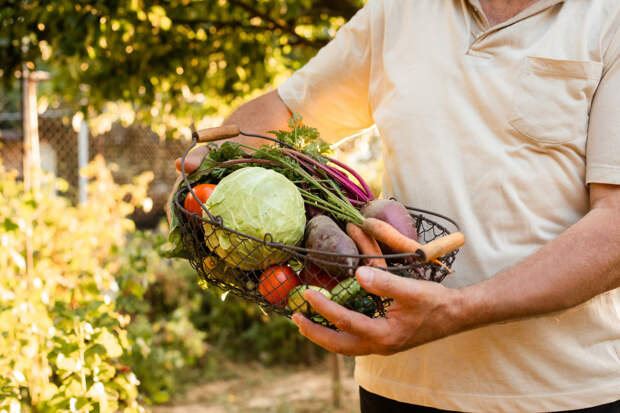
point(67, 363)
point(46, 50)
point(128, 33)
point(18, 259)
point(91, 52)
point(157, 17)
point(147, 205)
point(54, 325)
point(304, 31)
point(110, 343)
point(241, 73)
point(135, 5)
point(76, 121)
point(165, 85)
point(201, 34)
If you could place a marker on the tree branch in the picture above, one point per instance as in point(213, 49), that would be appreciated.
point(343, 8)
point(278, 24)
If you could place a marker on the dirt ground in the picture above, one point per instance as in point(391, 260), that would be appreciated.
point(280, 390)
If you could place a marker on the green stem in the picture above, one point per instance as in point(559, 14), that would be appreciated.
point(338, 204)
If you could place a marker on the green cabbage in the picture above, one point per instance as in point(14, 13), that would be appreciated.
point(255, 201)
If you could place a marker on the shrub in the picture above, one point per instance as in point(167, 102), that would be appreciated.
point(61, 337)
point(160, 295)
point(92, 318)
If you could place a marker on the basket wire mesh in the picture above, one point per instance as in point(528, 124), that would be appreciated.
point(263, 287)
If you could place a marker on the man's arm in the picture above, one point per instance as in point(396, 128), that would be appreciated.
point(582, 262)
point(260, 115)
point(579, 264)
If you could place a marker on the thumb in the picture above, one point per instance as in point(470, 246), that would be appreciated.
point(193, 159)
point(384, 284)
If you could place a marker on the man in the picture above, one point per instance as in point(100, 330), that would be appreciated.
point(505, 116)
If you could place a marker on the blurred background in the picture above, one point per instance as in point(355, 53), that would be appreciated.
point(96, 101)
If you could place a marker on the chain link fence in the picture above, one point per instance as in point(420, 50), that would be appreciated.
point(133, 150)
point(11, 140)
point(128, 150)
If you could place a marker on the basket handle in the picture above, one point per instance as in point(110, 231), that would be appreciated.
point(441, 246)
point(217, 134)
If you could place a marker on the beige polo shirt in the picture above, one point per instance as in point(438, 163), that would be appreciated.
point(500, 128)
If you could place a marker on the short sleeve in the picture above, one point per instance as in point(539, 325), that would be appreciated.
point(603, 145)
point(331, 91)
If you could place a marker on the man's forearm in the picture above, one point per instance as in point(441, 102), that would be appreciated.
point(260, 115)
point(581, 263)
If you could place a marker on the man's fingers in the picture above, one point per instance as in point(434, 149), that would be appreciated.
point(193, 159)
point(345, 319)
point(385, 284)
point(334, 341)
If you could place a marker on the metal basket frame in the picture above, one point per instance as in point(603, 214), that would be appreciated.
point(194, 237)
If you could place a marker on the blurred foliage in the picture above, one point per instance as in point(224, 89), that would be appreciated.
point(81, 325)
point(159, 295)
point(169, 62)
point(92, 318)
point(61, 337)
point(244, 333)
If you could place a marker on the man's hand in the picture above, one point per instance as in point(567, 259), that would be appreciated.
point(422, 311)
point(262, 114)
point(193, 159)
point(580, 263)
point(192, 162)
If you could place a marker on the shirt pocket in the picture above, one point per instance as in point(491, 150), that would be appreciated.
point(552, 99)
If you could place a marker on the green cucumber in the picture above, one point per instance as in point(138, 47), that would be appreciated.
point(346, 291)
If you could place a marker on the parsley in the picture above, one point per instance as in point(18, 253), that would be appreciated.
point(302, 137)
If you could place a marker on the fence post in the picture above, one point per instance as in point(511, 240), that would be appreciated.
point(82, 161)
point(30, 126)
point(32, 155)
point(337, 361)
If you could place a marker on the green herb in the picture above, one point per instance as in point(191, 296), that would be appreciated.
point(302, 137)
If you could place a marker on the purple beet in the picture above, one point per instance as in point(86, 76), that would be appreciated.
point(395, 214)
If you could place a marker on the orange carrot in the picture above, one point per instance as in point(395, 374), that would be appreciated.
point(367, 244)
point(444, 266)
point(390, 236)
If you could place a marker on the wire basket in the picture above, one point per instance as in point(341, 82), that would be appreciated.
point(274, 293)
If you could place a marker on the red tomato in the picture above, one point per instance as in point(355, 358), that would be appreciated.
point(203, 192)
point(276, 282)
point(314, 275)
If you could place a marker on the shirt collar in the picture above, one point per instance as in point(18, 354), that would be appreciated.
point(537, 7)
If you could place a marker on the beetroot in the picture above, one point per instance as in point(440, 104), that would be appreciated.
point(395, 214)
point(323, 234)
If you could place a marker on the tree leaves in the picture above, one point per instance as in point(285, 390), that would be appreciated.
point(174, 61)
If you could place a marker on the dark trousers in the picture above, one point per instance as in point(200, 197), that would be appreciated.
point(373, 403)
